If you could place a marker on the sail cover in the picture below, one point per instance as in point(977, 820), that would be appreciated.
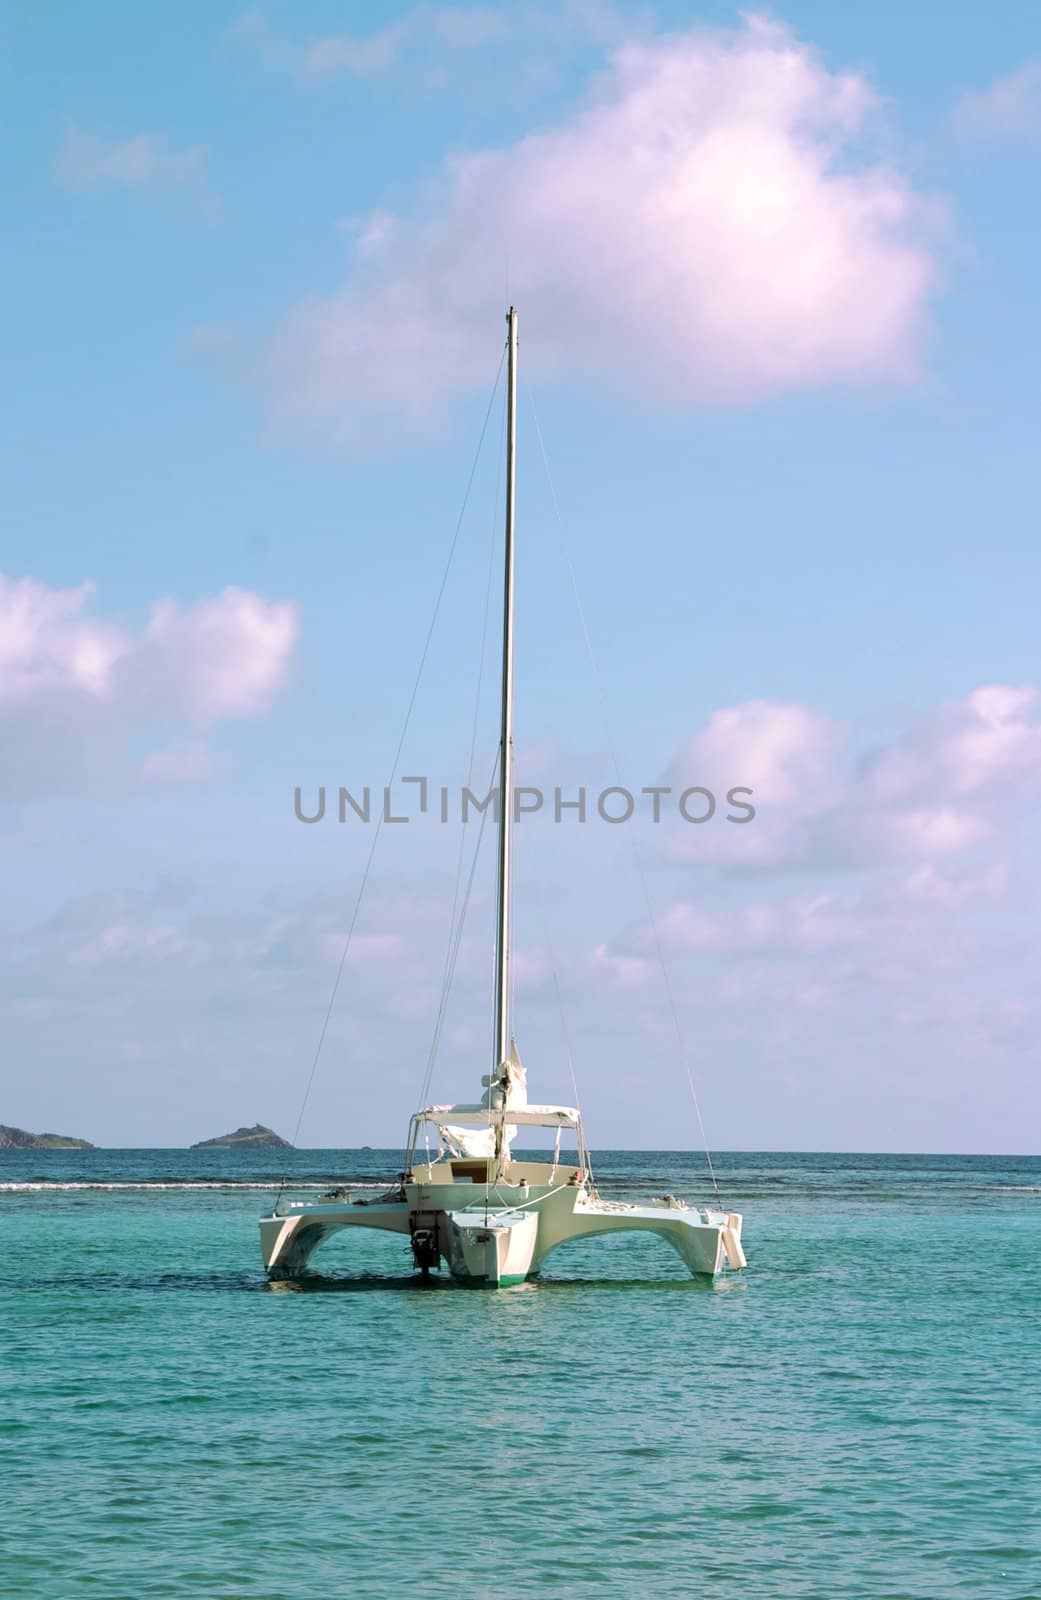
point(472, 1141)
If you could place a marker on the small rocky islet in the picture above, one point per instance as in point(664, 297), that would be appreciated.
point(256, 1138)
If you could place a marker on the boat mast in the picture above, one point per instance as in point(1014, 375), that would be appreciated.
point(502, 950)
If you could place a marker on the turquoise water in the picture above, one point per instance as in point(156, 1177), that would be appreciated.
point(856, 1415)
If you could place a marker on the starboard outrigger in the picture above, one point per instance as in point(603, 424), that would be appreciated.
point(490, 1216)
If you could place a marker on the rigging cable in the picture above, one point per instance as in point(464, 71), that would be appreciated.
point(651, 918)
point(449, 967)
point(394, 767)
point(453, 952)
point(585, 1160)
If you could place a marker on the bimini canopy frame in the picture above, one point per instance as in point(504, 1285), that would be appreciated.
point(478, 1116)
point(511, 1118)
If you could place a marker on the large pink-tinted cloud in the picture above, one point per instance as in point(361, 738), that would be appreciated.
point(703, 229)
point(863, 920)
point(941, 786)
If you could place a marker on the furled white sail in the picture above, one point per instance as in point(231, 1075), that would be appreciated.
point(468, 1141)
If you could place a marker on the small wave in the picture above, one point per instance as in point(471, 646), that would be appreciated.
point(1017, 1188)
point(149, 1184)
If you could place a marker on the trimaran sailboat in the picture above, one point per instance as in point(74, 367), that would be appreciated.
point(490, 1216)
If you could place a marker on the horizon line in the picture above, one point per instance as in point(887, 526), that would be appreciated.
point(366, 1149)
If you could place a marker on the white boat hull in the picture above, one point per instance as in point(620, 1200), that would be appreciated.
point(497, 1251)
point(506, 1242)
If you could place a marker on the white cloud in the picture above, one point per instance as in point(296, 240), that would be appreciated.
point(783, 751)
point(219, 658)
point(787, 754)
point(354, 53)
point(940, 787)
point(993, 736)
point(1010, 108)
point(347, 52)
point(874, 952)
point(44, 640)
point(797, 926)
point(368, 54)
point(125, 943)
point(144, 161)
point(935, 831)
point(465, 27)
point(955, 889)
point(628, 970)
point(75, 688)
point(703, 229)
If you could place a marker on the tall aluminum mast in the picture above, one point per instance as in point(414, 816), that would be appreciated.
point(502, 952)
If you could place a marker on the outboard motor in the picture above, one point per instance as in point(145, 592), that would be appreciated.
point(422, 1227)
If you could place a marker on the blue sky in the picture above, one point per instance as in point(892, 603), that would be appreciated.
point(777, 280)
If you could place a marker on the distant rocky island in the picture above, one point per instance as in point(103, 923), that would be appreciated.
point(256, 1138)
point(18, 1139)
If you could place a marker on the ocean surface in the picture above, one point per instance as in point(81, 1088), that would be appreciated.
point(856, 1415)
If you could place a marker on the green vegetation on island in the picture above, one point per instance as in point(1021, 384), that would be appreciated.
point(18, 1139)
point(256, 1138)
